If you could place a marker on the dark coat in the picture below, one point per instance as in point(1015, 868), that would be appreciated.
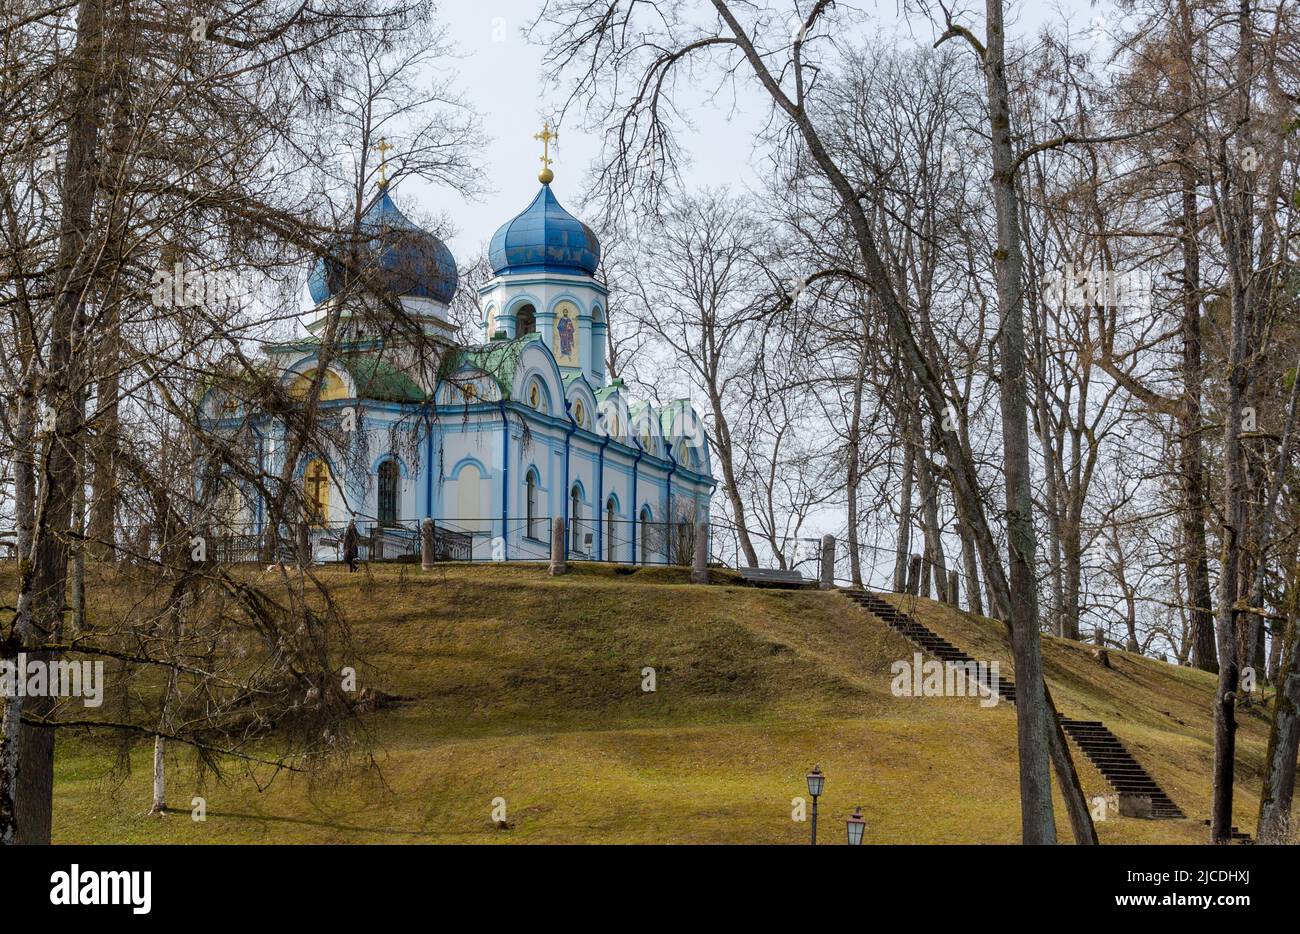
point(351, 543)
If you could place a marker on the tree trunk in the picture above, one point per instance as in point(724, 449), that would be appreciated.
point(1278, 784)
point(974, 602)
point(103, 503)
point(159, 777)
point(722, 444)
point(853, 473)
point(934, 565)
point(1191, 459)
point(904, 514)
point(1072, 561)
point(1236, 223)
point(48, 581)
point(1033, 724)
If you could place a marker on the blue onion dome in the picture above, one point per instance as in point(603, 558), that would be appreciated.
point(545, 238)
point(410, 260)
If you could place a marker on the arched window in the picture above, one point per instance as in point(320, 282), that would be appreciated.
point(645, 534)
point(331, 386)
point(525, 321)
point(610, 511)
point(316, 491)
point(575, 517)
point(530, 505)
point(389, 483)
point(469, 499)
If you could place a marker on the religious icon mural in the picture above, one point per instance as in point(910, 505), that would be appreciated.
point(566, 336)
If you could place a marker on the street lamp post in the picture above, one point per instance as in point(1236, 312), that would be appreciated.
point(856, 826)
point(816, 782)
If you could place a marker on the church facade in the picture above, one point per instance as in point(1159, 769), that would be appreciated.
point(514, 430)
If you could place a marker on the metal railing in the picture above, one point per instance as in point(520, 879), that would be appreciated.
point(621, 541)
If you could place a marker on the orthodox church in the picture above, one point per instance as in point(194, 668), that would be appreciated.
point(522, 427)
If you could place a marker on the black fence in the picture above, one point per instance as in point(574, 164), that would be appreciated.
point(620, 541)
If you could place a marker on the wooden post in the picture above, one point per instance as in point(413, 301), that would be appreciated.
point(558, 563)
point(913, 574)
point(954, 589)
point(427, 533)
point(700, 572)
point(828, 563)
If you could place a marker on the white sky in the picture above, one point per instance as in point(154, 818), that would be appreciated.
point(499, 75)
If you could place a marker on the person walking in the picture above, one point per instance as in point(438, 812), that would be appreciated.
point(351, 545)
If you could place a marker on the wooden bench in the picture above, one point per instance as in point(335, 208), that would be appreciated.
point(771, 577)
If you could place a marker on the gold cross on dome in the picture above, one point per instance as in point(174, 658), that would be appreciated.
point(383, 149)
point(546, 136)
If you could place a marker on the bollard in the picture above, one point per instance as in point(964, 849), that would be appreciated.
point(954, 593)
point(828, 563)
point(700, 572)
point(426, 544)
point(558, 564)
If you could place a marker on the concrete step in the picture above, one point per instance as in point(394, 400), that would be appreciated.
point(1101, 747)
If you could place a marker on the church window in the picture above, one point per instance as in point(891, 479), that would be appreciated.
point(530, 505)
point(525, 321)
point(389, 480)
point(331, 386)
point(316, 491)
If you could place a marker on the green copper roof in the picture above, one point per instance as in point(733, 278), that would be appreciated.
point(379, 380)
point(499, 359)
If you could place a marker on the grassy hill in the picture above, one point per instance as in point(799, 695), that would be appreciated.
point(528, 688)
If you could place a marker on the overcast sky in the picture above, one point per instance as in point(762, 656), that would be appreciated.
point(499, 75)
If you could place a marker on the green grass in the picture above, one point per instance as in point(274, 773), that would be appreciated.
point(528, 687)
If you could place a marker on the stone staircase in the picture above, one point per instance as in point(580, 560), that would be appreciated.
point(1117, 765)
point(1237, 835)
point(1103, 749)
